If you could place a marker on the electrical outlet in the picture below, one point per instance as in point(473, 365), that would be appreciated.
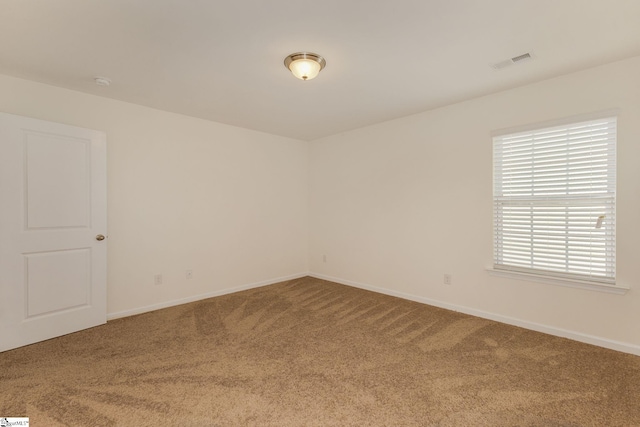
point(447, 279)
point(189, 274)
point(324, 258)
point(157, 279)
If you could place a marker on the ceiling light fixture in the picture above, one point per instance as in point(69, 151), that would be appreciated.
point(305, 65)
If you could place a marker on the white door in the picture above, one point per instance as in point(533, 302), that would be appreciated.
point(52, 213)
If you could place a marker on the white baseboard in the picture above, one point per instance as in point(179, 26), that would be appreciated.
point(576, 336)
point(166, 304)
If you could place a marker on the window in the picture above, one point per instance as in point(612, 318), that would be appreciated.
point(554, 201)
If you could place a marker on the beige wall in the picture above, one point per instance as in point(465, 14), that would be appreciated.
point(397, 205)
point(184, 193)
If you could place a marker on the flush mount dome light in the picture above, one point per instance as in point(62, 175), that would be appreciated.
point(304, 65)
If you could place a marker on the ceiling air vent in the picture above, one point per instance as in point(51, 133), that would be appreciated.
point(515, 60)
point(521, 57)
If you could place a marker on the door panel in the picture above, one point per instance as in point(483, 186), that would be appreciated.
point(57, 281)
point(58, 192)
point(52, 206)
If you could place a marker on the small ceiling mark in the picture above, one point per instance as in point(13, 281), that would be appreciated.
point(102, 81)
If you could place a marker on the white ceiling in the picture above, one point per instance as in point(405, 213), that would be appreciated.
point(223, 59)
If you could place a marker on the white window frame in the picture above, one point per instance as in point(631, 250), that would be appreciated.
point(551, 192)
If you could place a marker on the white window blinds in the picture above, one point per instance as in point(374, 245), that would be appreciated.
point(555, 199)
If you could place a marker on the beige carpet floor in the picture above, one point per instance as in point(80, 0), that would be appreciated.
point(308, 352)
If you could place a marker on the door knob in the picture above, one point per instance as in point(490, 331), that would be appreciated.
point(100, 237)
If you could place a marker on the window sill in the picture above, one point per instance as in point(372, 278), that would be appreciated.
point(579, 284)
